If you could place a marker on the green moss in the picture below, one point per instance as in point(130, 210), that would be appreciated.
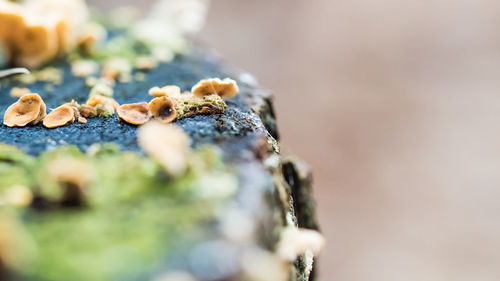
point(134, 212)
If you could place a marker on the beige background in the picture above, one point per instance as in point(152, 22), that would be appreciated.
point(396, 105)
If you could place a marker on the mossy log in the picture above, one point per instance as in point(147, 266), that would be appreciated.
point(274, 190)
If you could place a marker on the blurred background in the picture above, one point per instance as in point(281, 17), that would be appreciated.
point(396, 105)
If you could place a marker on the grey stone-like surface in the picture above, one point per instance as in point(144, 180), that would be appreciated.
point(243, 133)
point(237, 127)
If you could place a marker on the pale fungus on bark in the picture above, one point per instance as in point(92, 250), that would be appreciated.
point(19, 92)
point(84, 68)
point(75, 107)
point(167, 91)
point(96, 100)
point(116, 68)
point(72, 175)
point(163, 109)
point(145, 62)
point(18, 195)
point(60, 116)
point(101, 89)
point(135, 113)
point(87, 111)
point(298, 241)
point(90, 34)
point(167, 144)
point(226, 88)
point(35, 31)
point(29, 109)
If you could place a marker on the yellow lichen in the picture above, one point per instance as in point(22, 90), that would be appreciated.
point(188, 105)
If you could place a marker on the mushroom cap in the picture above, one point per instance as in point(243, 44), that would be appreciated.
point(19, 92)
point(134, 113)
point(168, 144)
point(87, 111)
point(60, 116)
point(163, 109)
point(98, 99)
point(145, 62)
point(29, 109)
point(169, 91)
point(227, 88)
point(113, 68)
point(157, 92)
point(74, 106)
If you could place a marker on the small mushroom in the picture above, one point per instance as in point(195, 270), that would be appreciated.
point(226, 88)
point(168, 144)
point(163, 109)
point(84, 68)
point(19, 92)
point(168, 91)
point(29, 109)
point(72, 176)
point(60, 116)
point(145, 62)
point(74, 106)
point(101, 89)
point(297, 241)
point(87, 111)
point(115, 68)
point(90, 34)
point(18, 195)
point(135, 113)
point(98, 99)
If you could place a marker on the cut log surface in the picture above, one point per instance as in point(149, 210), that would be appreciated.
point(273, 190)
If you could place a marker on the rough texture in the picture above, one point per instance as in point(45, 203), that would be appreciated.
point(272, 191)
point(185, 71)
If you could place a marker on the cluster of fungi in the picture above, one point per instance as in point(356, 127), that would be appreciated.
point(34, 32)
point(168, 104)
